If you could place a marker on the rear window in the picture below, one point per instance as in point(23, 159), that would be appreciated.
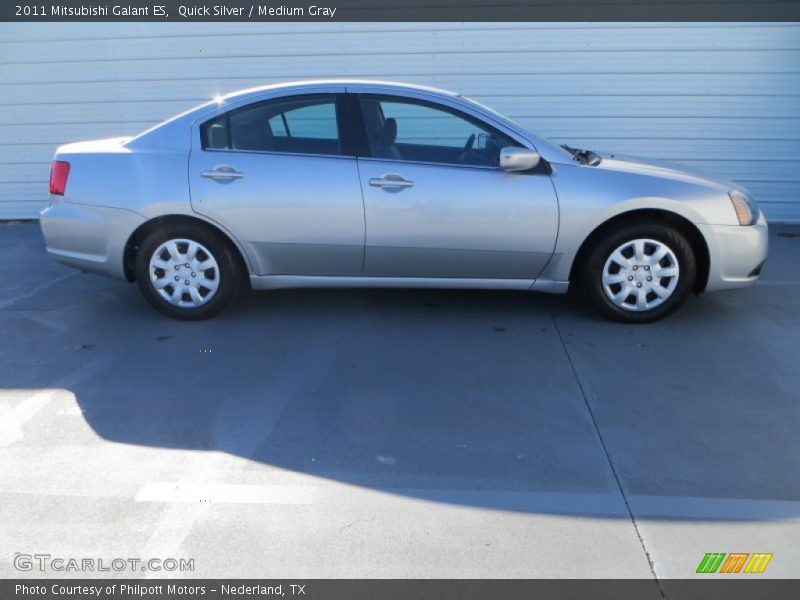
point(296, 125)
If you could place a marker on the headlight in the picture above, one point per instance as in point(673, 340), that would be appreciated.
point(745, 207)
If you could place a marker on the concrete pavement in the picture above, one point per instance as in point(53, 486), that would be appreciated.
point(371, 433)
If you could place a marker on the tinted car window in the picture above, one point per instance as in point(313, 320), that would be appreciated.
point(297, 125)
point(316, 121)
point(407, 129)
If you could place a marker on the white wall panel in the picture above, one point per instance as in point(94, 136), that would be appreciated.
point(722, 97)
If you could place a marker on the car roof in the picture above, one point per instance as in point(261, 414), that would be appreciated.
point(163, 129)
point(354, 84)
point(167, 132)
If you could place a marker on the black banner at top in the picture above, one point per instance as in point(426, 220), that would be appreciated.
point(399, 10)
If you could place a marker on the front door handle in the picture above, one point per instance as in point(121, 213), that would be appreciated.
point(391, 181)
point(222, 173)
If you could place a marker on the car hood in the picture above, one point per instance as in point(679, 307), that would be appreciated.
point(664, 170)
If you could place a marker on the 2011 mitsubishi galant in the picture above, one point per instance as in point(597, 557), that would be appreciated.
point(359, 183)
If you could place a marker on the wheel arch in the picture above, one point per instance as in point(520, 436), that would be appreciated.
point(682, 224)
point(156, 223)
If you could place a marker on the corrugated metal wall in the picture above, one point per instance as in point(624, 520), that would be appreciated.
point(722, 97)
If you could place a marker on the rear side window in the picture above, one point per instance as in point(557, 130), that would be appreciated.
point(296, 125)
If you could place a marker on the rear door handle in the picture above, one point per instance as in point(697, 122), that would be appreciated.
point(222, 173)
point(391, 180)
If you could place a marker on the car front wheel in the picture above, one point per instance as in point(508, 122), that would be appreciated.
point(186, 272)
point(639, 273)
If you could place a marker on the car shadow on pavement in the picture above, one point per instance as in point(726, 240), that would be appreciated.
point(493, 400)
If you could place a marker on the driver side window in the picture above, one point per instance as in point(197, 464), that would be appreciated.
point(413, 130)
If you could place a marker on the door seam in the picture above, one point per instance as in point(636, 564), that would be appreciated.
point(364, 212)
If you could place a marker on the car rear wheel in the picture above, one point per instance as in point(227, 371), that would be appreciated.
point(640, 272)
point(186, 272)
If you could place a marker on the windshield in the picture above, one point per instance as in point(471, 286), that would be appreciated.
point(516, 125)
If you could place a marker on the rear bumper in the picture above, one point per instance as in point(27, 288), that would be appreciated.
point(89, 238)
point(736, 254)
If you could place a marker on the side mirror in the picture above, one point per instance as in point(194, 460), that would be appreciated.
point(518, 159)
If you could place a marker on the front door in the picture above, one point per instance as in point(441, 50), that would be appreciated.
point(274, 173)
point(438, 206)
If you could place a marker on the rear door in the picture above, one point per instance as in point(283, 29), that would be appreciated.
point(278, 175)
point(437, 205)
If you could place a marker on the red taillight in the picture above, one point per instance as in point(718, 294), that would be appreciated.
point(59, 172)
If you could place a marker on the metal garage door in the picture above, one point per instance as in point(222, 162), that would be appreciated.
point(720, 97)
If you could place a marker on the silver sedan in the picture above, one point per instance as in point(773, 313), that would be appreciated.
point(363, 183)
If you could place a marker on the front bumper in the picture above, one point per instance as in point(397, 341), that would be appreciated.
point(736, 254)
point(89, 238)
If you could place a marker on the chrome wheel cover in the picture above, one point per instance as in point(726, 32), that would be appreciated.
point(640, 275)
point(184, 273)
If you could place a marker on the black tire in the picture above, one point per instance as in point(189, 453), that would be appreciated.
point(592, 270)
point(228, 273)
